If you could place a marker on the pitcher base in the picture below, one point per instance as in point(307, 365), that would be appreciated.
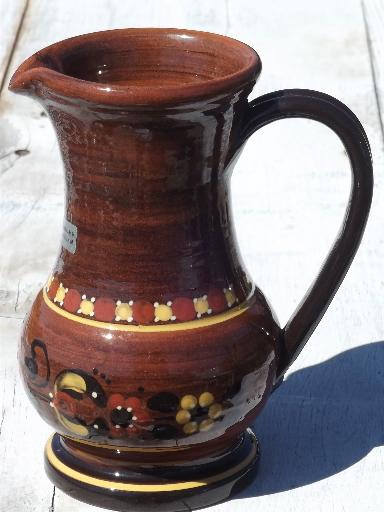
point(145, 487)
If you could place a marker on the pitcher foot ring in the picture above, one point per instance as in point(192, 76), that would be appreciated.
point(174, 488)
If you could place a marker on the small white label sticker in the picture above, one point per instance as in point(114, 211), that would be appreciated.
point(69, 236)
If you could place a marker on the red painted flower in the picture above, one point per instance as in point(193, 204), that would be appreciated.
point(53, 288)
point(183, 309)
point(126, 414)
point(115, 400)
point(143, 312)
point(217, 300)
point(140, 413)
point(65, 404)
point(72, 300)
point(105, 309)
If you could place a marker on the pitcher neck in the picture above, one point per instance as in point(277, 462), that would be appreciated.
point(148, 202)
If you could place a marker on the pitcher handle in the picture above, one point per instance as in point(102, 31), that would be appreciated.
point(328, 110)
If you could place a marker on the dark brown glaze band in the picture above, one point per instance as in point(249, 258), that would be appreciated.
point(150, 348)
point(222, 478)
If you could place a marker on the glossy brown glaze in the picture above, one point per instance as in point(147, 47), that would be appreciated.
point(149, 336)
point(146, 373)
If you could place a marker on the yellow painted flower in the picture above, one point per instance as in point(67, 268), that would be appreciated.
point(60, 294)
point(188, 402)
point(163, 312)
point(123, 311)
point(201, 305)
point(86, 306)
point(215, 411)
point(190, 428)
point(206, 424)
point(183, 416)
point(206, 399)
point(230, 296)
point(198, 413)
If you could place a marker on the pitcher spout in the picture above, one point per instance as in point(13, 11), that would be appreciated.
point(32, 74)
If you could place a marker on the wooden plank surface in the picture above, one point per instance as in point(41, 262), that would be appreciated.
point(11, 17)
point(373, 11)
point(321, 433)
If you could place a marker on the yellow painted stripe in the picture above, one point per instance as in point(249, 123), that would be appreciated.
point(129, 487)
point(193, 324)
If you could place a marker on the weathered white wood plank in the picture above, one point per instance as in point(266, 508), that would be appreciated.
point(289, 192)
point(11, 14)
point(24, 486)
point(373, 11)
point(299, 167)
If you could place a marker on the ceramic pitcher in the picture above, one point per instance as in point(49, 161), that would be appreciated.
point(150, 350)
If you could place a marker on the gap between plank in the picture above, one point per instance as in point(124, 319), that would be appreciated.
point(13, 48)
point(2, 420)
point(227, 18)
point(372, 66)
point(52, 507)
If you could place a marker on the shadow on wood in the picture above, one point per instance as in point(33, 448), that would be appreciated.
point(321, 420)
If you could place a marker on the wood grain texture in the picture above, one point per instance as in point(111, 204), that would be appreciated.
point(24, 485)
point(11, 18)
point(290, 183)
point(373, 12)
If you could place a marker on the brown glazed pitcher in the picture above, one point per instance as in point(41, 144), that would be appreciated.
point(150, 350)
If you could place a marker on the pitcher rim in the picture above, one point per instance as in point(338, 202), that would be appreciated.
point(36, 73)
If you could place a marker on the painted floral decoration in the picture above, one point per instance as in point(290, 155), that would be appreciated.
point(198, 413)
point(126, 415)
point(82, 406)
point(65, 404)
point(139, 312)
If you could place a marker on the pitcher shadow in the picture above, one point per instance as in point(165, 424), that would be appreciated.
point(321, 420)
